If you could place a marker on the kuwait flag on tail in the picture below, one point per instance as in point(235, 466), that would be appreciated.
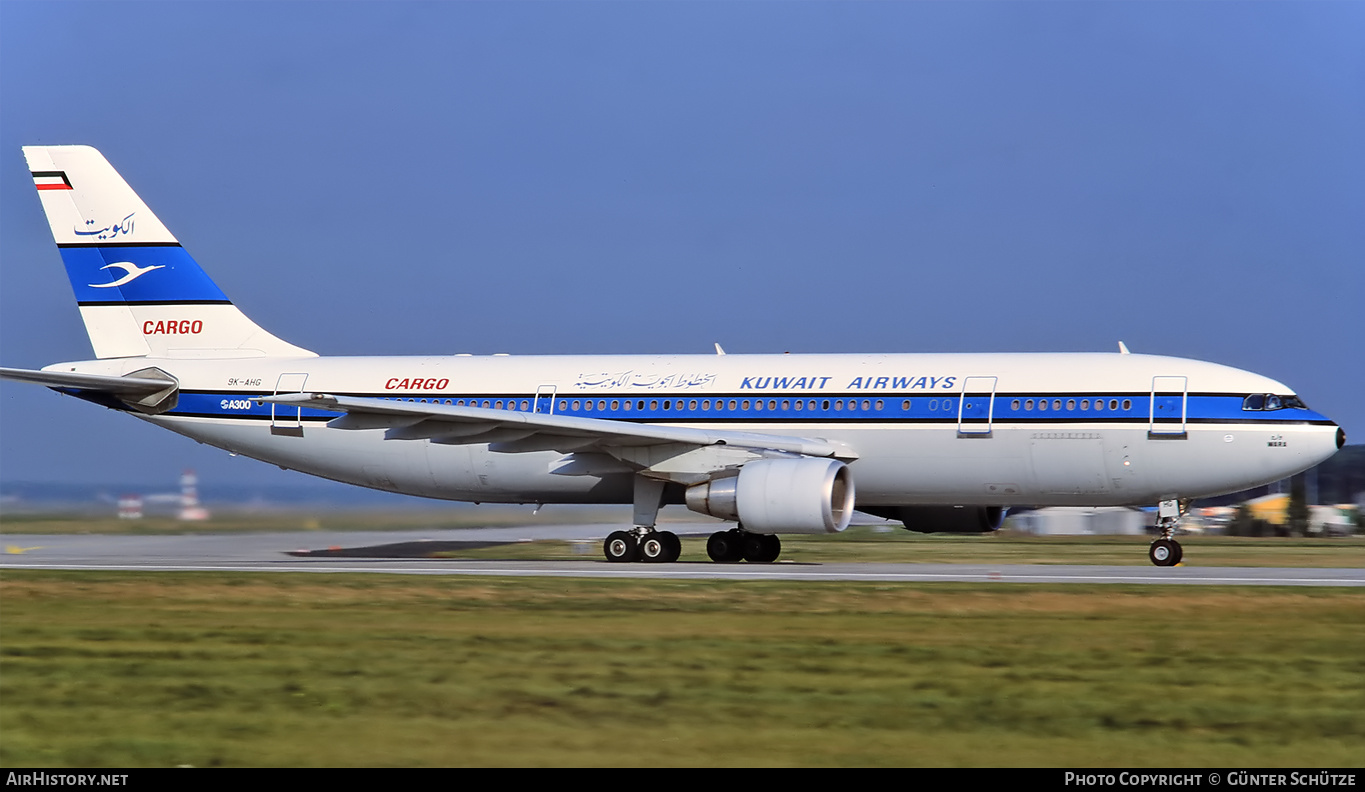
point(51, 180)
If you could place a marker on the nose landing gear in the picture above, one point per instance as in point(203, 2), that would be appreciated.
point(1167, 551)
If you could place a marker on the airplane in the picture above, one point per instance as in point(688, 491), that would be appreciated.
point(773, 443)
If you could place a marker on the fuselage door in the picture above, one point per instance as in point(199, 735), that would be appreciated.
point(545, 400)
point(976, 408)
point(286, 419)
point(1170, 401)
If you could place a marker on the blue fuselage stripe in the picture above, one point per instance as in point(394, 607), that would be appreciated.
point(833, 408)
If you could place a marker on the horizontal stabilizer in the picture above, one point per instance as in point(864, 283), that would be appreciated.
point(120, 386)
point(148, 390)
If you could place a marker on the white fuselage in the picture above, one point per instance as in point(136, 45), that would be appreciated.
point(961, 429)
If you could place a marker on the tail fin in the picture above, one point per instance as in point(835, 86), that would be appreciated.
point(139, 292)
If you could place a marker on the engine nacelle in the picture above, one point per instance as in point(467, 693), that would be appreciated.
point(944, 519)
point(793, 496)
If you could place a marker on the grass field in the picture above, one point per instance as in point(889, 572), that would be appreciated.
point(206, 669)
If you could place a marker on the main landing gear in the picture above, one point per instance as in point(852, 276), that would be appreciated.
point(1166, 551)
point(664, 547)
point(646, 543)
point(642, 544)
point(737, 544)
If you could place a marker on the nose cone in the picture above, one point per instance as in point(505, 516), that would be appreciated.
point(1324, 445)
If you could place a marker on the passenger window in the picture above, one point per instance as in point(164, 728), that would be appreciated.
point(615, 404)
point(1028, 405)
point(1113, 404)
point(1085, 404)
point(905, 405)
point(1127, 404)
point(880, 405)
point(1071, 404)
point(692, 405)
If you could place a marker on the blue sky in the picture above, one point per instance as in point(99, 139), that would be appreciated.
point(428, 178)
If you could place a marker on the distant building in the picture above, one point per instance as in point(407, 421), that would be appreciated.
point(1336, 520)
point(130, 507)
point(190, 509)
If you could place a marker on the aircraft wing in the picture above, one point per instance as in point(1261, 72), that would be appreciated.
point(512, 431)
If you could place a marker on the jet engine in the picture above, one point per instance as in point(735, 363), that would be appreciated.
point(944, 519)
point(793, 496)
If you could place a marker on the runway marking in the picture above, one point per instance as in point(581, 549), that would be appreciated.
point(15, 550)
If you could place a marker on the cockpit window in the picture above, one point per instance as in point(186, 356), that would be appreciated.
point(1270, 401)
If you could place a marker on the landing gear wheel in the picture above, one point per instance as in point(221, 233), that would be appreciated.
point(660, 547)
point(621, 547)
point(725, 547)
point(762, 548)
point(753, 548)
point(674, 546)
point(773, 548)
point(1165, 552)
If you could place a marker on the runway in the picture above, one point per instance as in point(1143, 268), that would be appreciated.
point(269, 552)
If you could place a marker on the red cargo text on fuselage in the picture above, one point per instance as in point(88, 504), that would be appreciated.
point(416, 383)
